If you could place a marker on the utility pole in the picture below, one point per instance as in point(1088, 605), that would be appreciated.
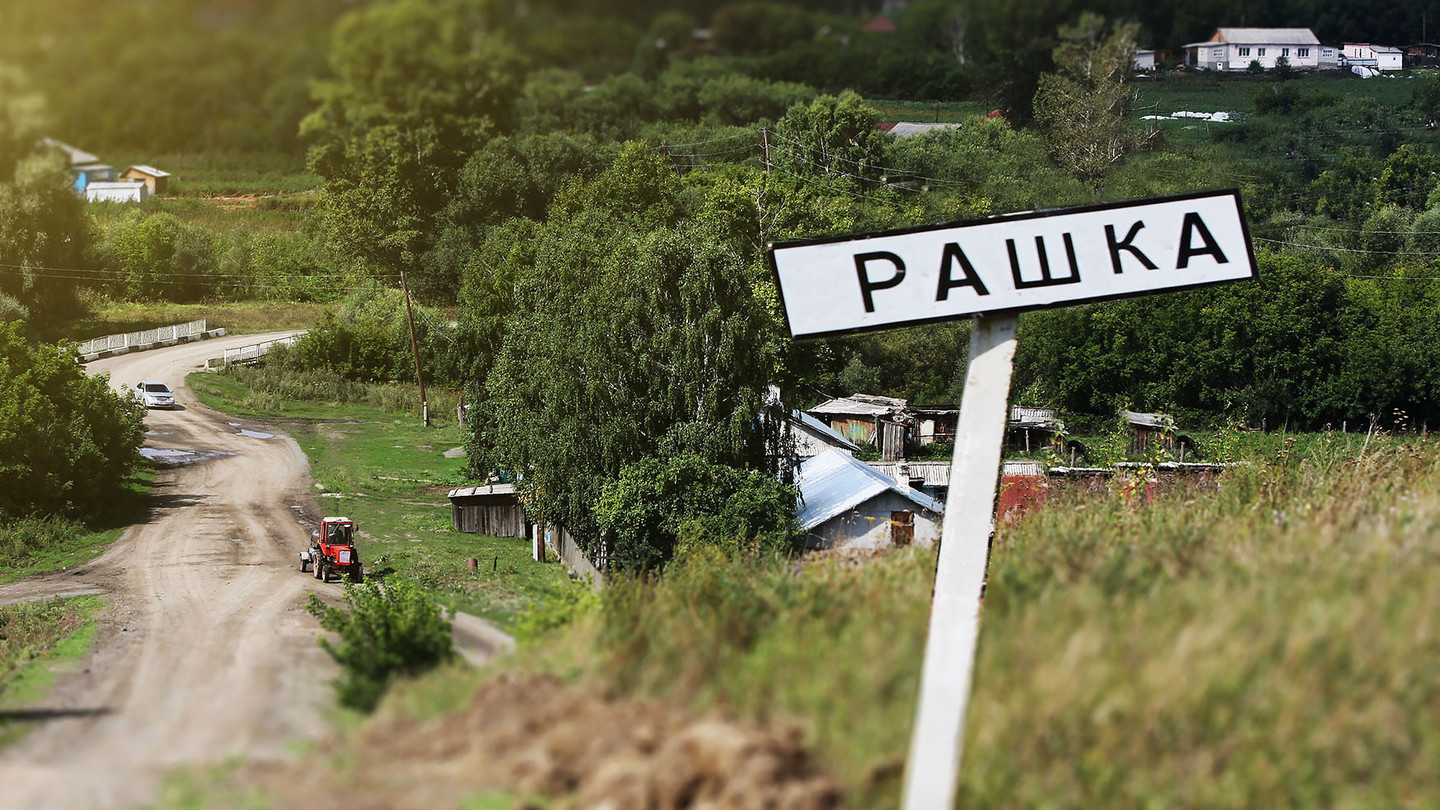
point(415, 349)
point(765, 145)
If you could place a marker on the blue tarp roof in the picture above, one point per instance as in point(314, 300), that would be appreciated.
point(833, 483)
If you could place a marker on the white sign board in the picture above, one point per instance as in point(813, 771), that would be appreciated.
point(1012, 263)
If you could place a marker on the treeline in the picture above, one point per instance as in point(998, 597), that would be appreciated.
point(1340, 326)
point(164, 76)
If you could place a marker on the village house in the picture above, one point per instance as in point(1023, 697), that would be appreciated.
point(811, 437)
point(1234, 49)
point(1422, 55)
point(1382, 58)
point(867, 419)
point(844, 503)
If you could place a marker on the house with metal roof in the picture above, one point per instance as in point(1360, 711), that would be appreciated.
point(813, 437)
point(153, 178)
point(1379, 58)
point(845, 503)
point(1234, 49)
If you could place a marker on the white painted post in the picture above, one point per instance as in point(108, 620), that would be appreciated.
point(937, 740)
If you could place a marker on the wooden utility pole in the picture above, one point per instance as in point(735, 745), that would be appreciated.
point(415, 349)
point(765, 145)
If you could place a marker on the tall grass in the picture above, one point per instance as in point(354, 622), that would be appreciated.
point(268, 389)
point(29, 630)
point(1267, 642)
point(24, 538)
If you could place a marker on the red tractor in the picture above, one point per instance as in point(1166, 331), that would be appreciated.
point(332, 550)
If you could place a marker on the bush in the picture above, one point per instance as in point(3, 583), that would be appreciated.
point(66, 439)
point(657, 504)
point(22, 538)
point(388, 633)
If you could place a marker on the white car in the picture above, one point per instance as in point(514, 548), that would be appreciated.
point(154, 394)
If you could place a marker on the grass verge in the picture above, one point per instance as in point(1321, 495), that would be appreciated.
point(38, 640)
point(64, 544)
point(389, 473)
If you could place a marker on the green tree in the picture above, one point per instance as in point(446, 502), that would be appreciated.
point(831, 135)
point(1084, 107)
point(657, 503)
point(66, 439)
point(632, 330)
point(43, 233)
point(418, 86)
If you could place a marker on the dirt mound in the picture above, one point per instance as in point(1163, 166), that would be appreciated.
point(535, 735)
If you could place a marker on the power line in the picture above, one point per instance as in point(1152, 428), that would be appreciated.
point(1348, 250)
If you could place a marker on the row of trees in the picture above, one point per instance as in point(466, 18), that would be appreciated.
point(188, 75)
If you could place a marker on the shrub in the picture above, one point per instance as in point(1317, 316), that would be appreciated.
point(65, 439)
point(388, 633)
point(657, 504)
point(21, 538)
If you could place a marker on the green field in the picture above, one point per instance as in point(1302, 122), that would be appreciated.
point(106, 317)
point(387, 471)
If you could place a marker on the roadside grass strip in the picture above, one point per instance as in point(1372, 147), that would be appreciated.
point(38, 642)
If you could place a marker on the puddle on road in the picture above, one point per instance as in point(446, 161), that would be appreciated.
point(255, 434)
point(166, 457)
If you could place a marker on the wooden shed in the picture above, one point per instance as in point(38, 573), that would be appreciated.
point(154, 179)
point(492, 510)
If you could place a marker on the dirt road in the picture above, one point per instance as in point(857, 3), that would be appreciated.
point(204, 651)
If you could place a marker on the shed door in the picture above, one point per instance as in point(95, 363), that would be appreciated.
point(902, 528)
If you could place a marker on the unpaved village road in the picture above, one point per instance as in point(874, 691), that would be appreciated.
point(204, 650)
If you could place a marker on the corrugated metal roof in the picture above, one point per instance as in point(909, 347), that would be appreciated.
point(1266, 36)
point(77, 156)
point(823, 429)
point(904, 129)
point(833, 483)
point(1160, 420)
point(860, 405)
point(489, 489)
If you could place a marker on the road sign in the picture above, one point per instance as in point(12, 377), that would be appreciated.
point(1012, 263)
point(994, 269)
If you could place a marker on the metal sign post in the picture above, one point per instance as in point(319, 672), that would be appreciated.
point(994, 269)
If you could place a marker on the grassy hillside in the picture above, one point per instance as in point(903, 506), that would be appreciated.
point(1264, 642)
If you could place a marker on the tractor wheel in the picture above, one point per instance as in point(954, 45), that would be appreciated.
point(356, 575)
point(304, 565)
point(320, 573)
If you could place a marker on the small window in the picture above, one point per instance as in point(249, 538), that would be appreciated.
point(1284, 51)
point(1303, 53)
point(1262, 51)
point(1244, 51)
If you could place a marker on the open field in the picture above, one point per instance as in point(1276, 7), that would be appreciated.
point(389, 472)
point(238, 317)
point(228, 174)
